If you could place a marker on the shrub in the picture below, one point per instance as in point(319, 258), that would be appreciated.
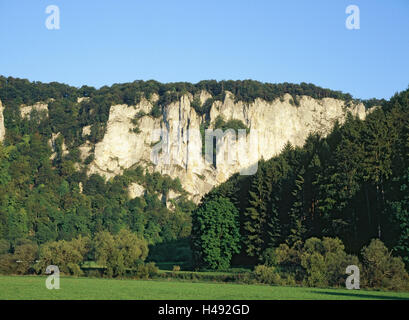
point(288, 259)
point(21, 261)
point(381, 269)
point(234, 124)
point(269, 257)
point(89, 159)
point(197, 105)
point(242, 277)
point(156, 111)
point(325, 262)
point(317, 262)
point(93, 273)
point(25, 256)
point(67, 255)
point(147, 270)
point(207, 105)
point(7, 263)
point(267, 275)
point(135, 130)
point(176, 268)
point(119, 252)
point(289, 280)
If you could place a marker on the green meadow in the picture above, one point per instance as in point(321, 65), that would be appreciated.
point(33, 287)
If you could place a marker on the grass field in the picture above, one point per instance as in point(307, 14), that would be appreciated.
point(33, 287)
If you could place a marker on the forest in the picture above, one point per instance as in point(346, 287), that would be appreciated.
point(351, 186)
point(344, 193)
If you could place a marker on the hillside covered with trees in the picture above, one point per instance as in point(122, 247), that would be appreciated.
point(351, 185)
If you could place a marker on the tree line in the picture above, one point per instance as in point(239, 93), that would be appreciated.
point(68, 116)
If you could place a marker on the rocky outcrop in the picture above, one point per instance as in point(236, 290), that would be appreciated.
point(121, 147)
point(81, 99)
point(2, 128)
point(179, 153)
point(40, 107)
point(53, 145)
point(86, 131)
point(135, 190)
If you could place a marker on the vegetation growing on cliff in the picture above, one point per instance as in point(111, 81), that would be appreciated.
point(68, 116)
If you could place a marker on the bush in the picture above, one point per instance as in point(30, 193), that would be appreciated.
point(156, 111)
point(269, 257)
point(135, 130)
point(318, 263)
point(289, 280)
point(176, 268)
point(25, 256)
point(93, 273)
point(67, 255)
point(242, 277)
point(89, 159)
point(288, 259)
point(234, 124)
point(197, 105)
point(21, 261)
point(267, 275)
point(147, 270)
point(325, 262)
point(119, 252)
point(381, 269)
point(7, 263)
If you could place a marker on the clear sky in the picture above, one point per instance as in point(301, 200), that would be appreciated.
point(105, 42)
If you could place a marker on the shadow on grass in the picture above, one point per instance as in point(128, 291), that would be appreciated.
point(359, 295)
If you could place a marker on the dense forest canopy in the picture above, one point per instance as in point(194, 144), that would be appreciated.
point(68, 117)
point(18, 91)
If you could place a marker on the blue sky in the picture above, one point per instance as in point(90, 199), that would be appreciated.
point(105, 42)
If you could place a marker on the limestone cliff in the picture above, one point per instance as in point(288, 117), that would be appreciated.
point(271, 125)
point(40, 107)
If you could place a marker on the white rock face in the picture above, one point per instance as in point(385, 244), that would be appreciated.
point(135, 190)
point(86, 131)
point(39, 106)
point(121, 148)
point(52, 142)
point(80, 99)
point(2, 128)
point(85, 150)
point(271, 124)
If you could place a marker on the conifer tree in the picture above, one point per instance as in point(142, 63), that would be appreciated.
point(256, 215)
